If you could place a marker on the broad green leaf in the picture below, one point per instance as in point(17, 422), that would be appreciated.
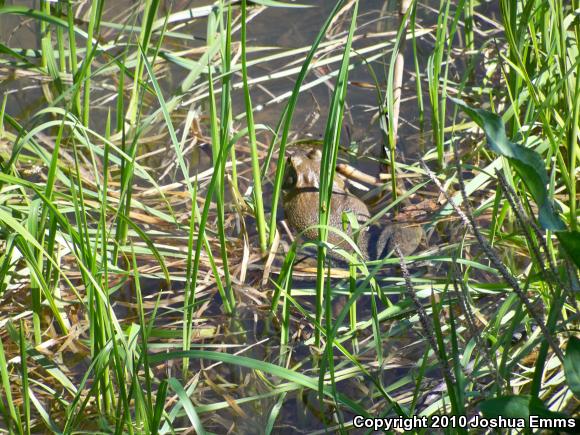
point(517, 407)
point(572, 365)
point(570, 241)
point(506, 406)
point(529, 164)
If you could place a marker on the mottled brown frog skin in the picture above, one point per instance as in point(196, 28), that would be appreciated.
point(301, 202)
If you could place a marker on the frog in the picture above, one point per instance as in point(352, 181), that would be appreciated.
point(300, 201)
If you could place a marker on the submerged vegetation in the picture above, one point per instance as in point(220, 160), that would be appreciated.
point(149, 284)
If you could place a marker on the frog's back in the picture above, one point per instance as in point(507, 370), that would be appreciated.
point(301, 197)
point(301, 203)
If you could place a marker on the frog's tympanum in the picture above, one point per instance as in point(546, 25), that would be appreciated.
point(301, 202)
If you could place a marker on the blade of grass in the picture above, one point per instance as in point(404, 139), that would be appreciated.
point(288, 112)
point(328, 165)
point(256, 175)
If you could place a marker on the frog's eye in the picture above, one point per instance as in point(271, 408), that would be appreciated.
point(315, 154)
point(290, 178)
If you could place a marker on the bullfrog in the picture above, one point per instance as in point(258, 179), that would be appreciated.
point(300, 201)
